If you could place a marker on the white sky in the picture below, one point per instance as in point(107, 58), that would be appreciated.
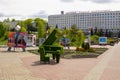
point(42, 8)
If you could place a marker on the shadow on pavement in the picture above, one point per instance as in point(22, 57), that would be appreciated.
point(38, 63)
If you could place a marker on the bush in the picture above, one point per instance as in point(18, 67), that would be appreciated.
point(110, 40)
point(83, 45)
point(94, 39)
point(86, 46)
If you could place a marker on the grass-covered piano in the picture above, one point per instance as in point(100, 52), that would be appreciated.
point(50, 46)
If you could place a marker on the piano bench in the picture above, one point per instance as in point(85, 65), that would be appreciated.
point(47, 58)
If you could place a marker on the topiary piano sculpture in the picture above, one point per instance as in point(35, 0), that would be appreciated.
point(50, 47)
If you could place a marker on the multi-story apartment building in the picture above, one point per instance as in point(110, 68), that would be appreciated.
point(84, 20)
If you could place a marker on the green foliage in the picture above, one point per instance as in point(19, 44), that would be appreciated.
point(73, 33)
point(109, 40)
point(2, 29)
point(59, 33)
point(51, 38)
point(74, 27)
point(39, 19)
point(28, 24)
point(6, 35)
point(3, 42)
point(13, 20)
point(58, 58)
point(76, 36)
point(79, 38)
point(40, 29)
point(43, 57)
point(23, 29)
point(87, 46)
point(66, 32)
point(6, 20)
point(83, 45)
point(22, 24)
point(7, 25)
point(95, 39)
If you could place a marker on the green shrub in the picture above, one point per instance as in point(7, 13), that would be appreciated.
point(95, 39)
point(109, 40)
point(87, 46)
point(83, 45)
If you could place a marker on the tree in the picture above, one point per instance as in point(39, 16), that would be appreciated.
point(119, 34)
point(40, 29)
point(23, 29)
point(95, 31)
point(6, 20)
point(73, 33)
point(2, 29)
point(79, 38)
point(7, 25)
point(74, 27)
point(22, 25)
point(13, 20)
point(56, 26)
point(66, 32)
point(94, 39)
point(101, 32)
point(106, 33)
point(47, 27)
point(109, 34)
point(92, 32)
point(28, 24)
point(3, 32)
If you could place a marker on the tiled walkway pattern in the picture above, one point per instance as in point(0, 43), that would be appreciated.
point(26, 66)
point(11, 66)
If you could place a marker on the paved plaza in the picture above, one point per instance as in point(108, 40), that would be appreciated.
point(20, 65)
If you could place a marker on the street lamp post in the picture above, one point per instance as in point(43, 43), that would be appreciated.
point(89, 40)
point(64, 40)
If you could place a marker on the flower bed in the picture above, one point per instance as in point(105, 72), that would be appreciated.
point(72, 54)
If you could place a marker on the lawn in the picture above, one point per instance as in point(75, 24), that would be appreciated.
point(3, 43)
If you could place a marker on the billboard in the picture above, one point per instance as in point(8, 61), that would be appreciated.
point(17, 39)
point(102, 40)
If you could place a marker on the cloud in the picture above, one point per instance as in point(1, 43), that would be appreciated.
point(8, 15)
point(101, 1)
point(94, 1)
point(67, 0)
point(41, 14)
point(1, 14)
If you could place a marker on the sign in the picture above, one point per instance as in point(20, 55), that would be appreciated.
point(11, 40)
point(17, 39)
point(102, 40)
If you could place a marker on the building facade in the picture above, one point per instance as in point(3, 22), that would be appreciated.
point(84, 20)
